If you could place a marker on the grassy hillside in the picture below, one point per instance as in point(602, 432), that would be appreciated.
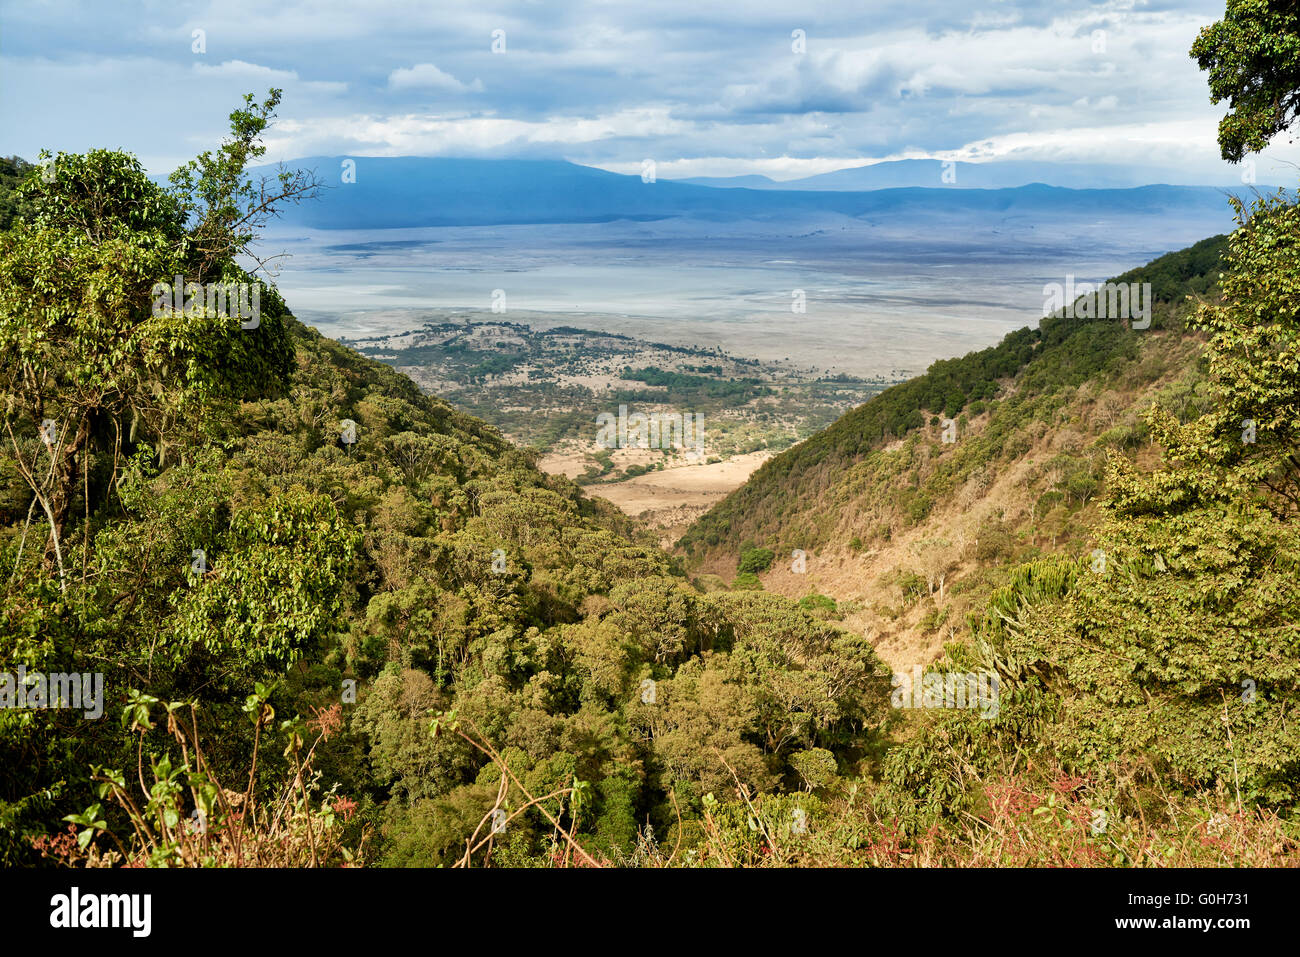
point(998, 397)
point(907, 534)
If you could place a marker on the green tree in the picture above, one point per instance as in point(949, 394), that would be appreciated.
point(1253, 59)
point(755, 559)
point(1175, 650)
point(88, 359)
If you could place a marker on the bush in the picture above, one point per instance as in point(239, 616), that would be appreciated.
point(756, 559)
point(816, 766)
point(821, 606)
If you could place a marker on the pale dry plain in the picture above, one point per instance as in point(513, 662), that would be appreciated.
point(667, 500)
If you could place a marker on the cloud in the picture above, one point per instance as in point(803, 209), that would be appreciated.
point(463, 135)
point(701, 91)
point(426, 76)
point(265, 76)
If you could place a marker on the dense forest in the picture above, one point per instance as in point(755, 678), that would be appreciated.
point(340, 623)
point(285, 688)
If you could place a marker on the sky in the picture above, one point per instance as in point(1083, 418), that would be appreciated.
point(702, 88)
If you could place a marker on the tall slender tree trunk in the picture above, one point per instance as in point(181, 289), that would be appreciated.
point(63, 485)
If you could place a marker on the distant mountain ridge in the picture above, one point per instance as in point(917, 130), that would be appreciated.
point(405, 192)
point(933, 173)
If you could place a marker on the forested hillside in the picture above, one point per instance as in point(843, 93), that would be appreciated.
point(286, 561)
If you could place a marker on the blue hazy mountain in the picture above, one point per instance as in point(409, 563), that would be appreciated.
point(1002, 174)
point(749, 181)
point(396, 192)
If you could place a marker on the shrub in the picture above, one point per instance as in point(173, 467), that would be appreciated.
point(756, 559)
